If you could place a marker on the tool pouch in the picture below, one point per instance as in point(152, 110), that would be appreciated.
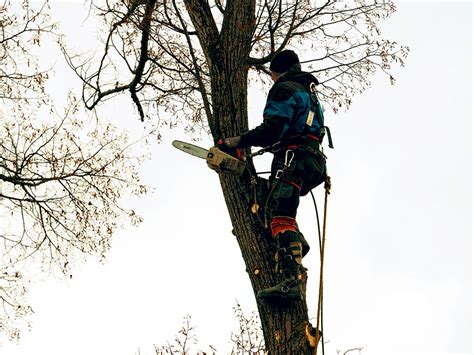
point(224, 163)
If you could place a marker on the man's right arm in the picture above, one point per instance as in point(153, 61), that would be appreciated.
point(266, 134)
point(277, 115)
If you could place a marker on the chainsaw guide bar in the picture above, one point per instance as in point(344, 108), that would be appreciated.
point(216, 159)
point(191, 149)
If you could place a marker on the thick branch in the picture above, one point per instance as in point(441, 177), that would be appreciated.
point(197, 68)
point(206, 29)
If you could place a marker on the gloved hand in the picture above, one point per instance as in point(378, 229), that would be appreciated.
point(232, 142)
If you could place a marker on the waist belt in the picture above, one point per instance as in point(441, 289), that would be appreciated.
point(309, 143)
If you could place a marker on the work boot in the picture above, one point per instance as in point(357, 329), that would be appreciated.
point(290, 269)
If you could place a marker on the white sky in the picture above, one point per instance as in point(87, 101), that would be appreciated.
point(399, 250)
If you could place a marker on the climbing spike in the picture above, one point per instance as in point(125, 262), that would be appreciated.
point(313, 335)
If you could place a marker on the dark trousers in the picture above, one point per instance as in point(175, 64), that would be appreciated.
point(306, 171)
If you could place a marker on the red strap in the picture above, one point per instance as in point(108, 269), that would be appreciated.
point(294, 184)
point(281, 224)
point(312, 137)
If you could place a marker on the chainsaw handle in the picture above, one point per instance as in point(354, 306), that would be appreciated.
point(221, 144)
point(240, 154)
point(235, 152)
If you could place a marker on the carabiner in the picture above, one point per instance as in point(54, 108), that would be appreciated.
point(288, 160)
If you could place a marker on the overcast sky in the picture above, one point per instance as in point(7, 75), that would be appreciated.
point(399, 248)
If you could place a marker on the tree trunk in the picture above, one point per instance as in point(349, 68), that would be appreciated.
point(227, 53)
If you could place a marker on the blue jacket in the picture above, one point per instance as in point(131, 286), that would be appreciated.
point(286, 111)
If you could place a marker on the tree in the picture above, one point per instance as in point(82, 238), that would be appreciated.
point(246, 340)
point(61, 178)
point(196, 60)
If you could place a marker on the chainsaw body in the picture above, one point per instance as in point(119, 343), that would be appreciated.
point(223, 162)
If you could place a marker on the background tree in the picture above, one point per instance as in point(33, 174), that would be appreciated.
point(248, 339)
point(195, 60)
point(61, 177)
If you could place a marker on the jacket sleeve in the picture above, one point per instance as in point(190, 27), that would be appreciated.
point(277, 117)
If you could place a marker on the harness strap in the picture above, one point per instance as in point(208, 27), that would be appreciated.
point(306, 142)
point(293, 181)
point(294, 251)
point(328, 131)
point(313, 137)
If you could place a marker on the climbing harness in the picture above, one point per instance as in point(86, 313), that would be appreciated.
point(319, 115)
point(286, 174)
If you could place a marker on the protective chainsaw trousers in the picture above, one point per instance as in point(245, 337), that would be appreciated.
point(294, 173)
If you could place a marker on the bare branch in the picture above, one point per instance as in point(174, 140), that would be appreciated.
point(197, 70)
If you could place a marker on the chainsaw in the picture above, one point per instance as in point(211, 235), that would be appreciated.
point(220, 158)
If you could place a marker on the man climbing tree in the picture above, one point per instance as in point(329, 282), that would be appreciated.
point(294, 126)
point(194, 58)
